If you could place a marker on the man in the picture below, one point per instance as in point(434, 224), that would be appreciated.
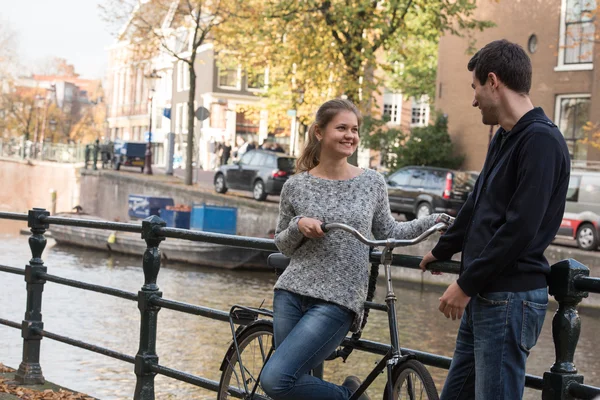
point(512, 215)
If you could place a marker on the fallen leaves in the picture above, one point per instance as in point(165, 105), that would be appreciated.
point(28, 394)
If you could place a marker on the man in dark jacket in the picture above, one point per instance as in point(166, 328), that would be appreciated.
point(503, 229)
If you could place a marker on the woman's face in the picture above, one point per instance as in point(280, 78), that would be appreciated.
point(340, 137)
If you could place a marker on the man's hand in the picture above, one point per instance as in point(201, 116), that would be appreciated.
point(310, 227)
point(426, 260)
point(453, 302)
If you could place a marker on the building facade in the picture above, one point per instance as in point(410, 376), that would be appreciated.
point(558, 36)
point(225, 92)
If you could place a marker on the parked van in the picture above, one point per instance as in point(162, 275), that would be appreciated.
point(581, 220)
point(130, 154)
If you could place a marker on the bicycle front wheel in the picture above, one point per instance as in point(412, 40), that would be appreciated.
point(412, 381)
point(255, 344)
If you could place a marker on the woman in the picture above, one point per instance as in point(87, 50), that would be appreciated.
point(320, 296)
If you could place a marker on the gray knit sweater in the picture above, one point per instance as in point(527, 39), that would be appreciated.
point(335, 268)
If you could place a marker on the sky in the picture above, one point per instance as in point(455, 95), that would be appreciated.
point(70, 29)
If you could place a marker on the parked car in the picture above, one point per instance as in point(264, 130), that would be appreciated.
point(262, 172)
point(421, 191)
point(130, 154)
point(581, 220)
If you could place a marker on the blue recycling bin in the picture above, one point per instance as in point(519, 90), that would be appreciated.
point(215, 219)
point(176, 219)
point(141, 206)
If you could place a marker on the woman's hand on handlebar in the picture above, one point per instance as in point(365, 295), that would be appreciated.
point(446, 219)
point(310, 227)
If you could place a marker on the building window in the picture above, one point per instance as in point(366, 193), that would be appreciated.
point(179, 118)
point(419, 112)
point(229, 78)
point(183, 76)
point(256, 80)
point(158, 117)
point(184, 116)
point(577, 30)
point(532, 43)
point(572, 113)
point(392, 107)
point(218, 116)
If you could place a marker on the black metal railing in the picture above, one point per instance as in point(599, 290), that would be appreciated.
point(569, 284)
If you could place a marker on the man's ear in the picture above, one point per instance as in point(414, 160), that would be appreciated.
point(493, 80)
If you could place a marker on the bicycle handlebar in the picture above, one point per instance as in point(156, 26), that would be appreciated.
point(388, 243)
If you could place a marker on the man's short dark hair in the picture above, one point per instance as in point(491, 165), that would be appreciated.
point(507, 60)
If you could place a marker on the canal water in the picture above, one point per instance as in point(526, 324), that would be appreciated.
point(195, 344)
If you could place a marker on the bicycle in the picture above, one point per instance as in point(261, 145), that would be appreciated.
point(406, 377)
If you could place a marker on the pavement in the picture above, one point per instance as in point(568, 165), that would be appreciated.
point(204, 180)
point(10, 390)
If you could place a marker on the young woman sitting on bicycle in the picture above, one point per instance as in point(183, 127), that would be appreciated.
point(321, 294)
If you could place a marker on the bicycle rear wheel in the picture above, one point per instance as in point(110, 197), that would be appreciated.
point(412, 381)
point(255, 343)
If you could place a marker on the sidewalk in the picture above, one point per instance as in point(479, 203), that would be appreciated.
point(48, 391)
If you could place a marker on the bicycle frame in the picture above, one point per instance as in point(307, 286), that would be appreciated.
point(393, 357)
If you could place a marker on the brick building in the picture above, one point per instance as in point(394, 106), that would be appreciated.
point(559, 37)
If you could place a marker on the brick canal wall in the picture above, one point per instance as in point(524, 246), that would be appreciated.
point(26, 185)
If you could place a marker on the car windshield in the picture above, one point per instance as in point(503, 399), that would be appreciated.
point(286, 163)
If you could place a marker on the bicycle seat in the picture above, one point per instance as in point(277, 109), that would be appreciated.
point(278, 262)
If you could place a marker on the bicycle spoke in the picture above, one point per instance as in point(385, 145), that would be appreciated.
point(262, 350)
point(244, 374)
point(411, 388)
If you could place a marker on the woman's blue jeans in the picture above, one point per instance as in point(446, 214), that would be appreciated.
point(307, 331)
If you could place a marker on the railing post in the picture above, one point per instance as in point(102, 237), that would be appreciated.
point(30, 371)
point(566, 327)
point(146, 356)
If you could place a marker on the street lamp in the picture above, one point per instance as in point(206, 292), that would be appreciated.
point(50, 95)
point(39, 104)
point(152, 78)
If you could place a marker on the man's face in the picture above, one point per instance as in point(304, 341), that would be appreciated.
point(483, 99)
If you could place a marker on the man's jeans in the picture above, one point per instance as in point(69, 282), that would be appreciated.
point(496, 333)
point(306, 331)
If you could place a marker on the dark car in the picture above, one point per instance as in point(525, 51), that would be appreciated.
point(421, 191)
point(130, 154)
point(262, 172)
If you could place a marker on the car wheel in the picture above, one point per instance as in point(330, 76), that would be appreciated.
point(258, 192)
point(220, 186)
point(424, 210)
point(409, 216)
point(587, 237)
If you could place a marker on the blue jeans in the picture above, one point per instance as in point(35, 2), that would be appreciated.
point(306, 332)
point(496, 333)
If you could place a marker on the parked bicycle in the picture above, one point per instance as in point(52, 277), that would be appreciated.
point(252, 343)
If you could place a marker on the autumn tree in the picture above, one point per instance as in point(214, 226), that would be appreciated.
point(90, 125)
point(176, 28)
point(429, 145)
point(21, 111)
point(318, 49)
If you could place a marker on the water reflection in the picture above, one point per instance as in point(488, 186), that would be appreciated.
point(195, 344)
